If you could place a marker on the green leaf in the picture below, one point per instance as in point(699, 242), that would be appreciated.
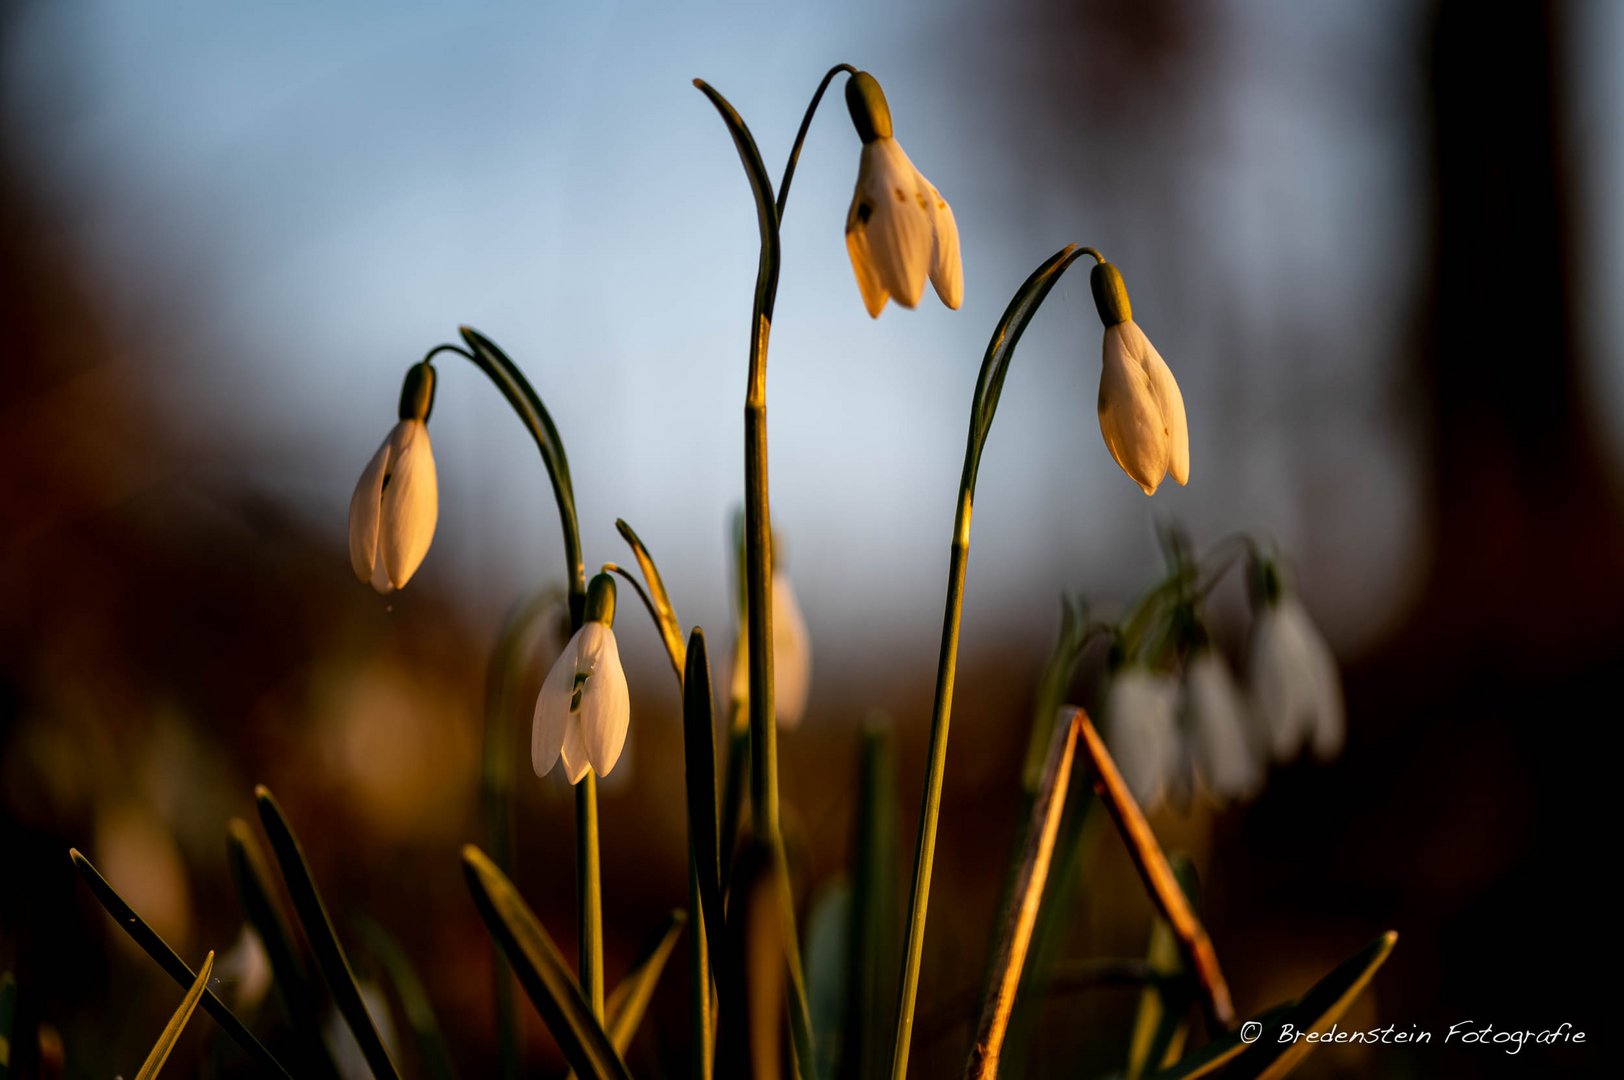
point(748, 1045)
point(1162, 1021)
point(177, 1023)
point(665, 615)
point(541, 970)
point(876, 931)
point(414, 999)
point(1220, 1052)
point(828, 958)
point(290, 961)
point(166, 958)
point(761, 188)
point(699, 762)
point(318, 928)
point(1051, 692)
point(1316, 1010)
point(628, 1002)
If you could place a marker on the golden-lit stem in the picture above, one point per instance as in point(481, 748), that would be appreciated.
point(1153, 868)
point(1022, 913)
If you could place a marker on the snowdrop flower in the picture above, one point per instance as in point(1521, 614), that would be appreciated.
point(584, 706)
point(899, 229)
point(397, 500)
point(1219, 743)
point(1141, 709)
point(1293, 673)
point(792, 658)
point(1141, 409)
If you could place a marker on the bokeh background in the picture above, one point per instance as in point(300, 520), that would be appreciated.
point(1378, 243)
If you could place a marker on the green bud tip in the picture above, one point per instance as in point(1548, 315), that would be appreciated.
point(1110, 294)
point(600, 599)
point(417, 392)
point(1264, 577)
point(869, 112)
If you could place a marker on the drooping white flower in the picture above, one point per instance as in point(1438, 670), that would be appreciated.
point(1141, 409)
point(1216, 718)
point(584, 707)
point(1295, 679)
point(1141, 710)
point(792, 658)
point(394, 509)
point(899, 230)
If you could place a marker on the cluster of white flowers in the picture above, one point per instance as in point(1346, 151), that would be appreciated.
point(1174, 731)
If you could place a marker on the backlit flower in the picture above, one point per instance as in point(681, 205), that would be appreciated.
point(397, 500)
point(584, 706)
point(899, 230)
point(1141, 409)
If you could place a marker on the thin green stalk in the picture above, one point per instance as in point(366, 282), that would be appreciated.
point(528, 406)
point(989, 385)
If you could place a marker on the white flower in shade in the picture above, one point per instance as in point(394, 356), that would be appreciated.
point(1295, 679)
point(584, 707)
point(1141, 711)
point(394, 508)
point(1141, 409)
point(792, 658)
point(899, 230)
point(1216, 717)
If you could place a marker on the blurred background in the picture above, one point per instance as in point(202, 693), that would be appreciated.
point(1379, 245)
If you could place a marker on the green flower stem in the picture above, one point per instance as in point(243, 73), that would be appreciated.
point(758, 529)
point(533, 414)
point(989, 385)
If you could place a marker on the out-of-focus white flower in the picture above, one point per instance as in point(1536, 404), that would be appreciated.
point(792, 658)
point(584, 707)
point(1294, 675)
point(1219, 741)
point(1141, 409)
point(394, 509)
point(899, 229)
point(348, 1059)
point(1141, 716)
point(245, 970)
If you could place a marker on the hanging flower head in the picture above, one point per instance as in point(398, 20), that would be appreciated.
point(1141, 409)
point(899, 229)
point(1299, 692)
point(1141, 729)
point(584, 706)
point(397, 500)
point(1219, 743)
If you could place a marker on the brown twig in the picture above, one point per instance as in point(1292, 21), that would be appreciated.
point(1022, 912)
point(1164, 888)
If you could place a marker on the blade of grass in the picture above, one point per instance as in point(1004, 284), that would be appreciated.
point(1158, 877)
point(1217, 1054)
point(628, 1002)
point(318, 929)
point(166, 958)
point(542, 972)
point(414, 999)
point(1162, 1020)
point(704, 857)
point(177, 1023)
point(1022, 912)
point(290, 964)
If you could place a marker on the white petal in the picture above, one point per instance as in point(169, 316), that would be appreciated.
point(573, 754)
point(552, 717)
point(605, 701)
point(792, 655)
point(1169, 402)
point(364, 514)
point(946, 267)
point(891, 220)
point(1140, 722)
point(411, 502)
point(1131, 417)
point(862, 263)
point(1221, 748)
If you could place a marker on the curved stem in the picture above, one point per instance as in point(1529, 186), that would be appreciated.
point(989, 384)
point(800, 136)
